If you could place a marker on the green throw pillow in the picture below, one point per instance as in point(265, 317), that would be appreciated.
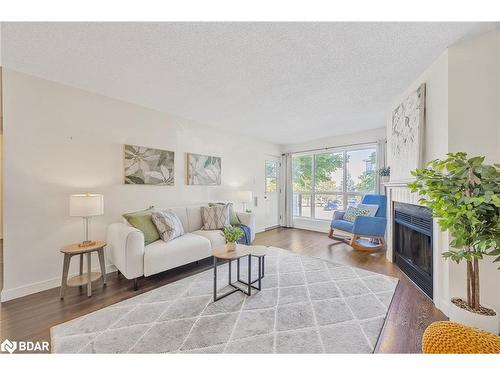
point(142, 221)
point(361, 210)
point(233, 218)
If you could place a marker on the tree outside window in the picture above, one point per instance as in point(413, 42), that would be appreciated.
point(318, 181)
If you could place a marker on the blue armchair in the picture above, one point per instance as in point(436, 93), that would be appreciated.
point(364, 226)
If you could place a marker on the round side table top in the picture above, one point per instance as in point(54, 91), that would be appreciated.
point(75, 248)
point(223, 253)
point(241, 251)
point(257, 250)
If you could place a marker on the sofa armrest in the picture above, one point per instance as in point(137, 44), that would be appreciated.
point(125, 249)
point(370, 226)
point(248, 219)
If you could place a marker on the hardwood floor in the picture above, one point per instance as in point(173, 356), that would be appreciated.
point(30, 317)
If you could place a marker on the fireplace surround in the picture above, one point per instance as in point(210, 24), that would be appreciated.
point(413, 244)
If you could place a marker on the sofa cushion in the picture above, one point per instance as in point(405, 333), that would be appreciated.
point(142, 220)
point(160, 256)
point(215, 217)
point(168, 224)
point(181, 213)
point(214, 236)
point(194, 218)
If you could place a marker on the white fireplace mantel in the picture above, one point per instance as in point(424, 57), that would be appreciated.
point(398, 191)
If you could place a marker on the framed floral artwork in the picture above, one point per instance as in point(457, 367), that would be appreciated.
point(203, 170)
point(148, 166)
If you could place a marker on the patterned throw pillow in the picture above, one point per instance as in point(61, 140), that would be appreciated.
point(233, 217)
point(360, 210)
point(168, 224)
point(215, 217)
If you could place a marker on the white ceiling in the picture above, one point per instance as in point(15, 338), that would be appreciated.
point(281, 82)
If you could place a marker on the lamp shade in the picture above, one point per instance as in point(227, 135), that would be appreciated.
point(86, 205)
point(244, 196)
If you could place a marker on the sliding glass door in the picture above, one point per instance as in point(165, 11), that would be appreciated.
point(328, 181)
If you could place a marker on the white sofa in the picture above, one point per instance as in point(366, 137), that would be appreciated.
point(127, 252)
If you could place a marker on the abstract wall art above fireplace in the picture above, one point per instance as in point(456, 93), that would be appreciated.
point(148, 166)
point(407, 129)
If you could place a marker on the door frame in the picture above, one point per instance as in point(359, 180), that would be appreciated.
point(277, 159)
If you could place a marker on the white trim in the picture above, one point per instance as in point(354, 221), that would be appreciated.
point(276, 159)
point(314, 219)
point(358, 146)
point(399, 183)
point(316, 225)
point(21, 291)
point(260, 230)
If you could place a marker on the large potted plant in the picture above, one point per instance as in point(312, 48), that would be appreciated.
point(464, 195)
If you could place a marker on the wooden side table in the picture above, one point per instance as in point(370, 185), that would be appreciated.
point(83, 278)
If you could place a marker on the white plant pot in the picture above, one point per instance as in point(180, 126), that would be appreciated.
point(484, 322)
point(231, 246)
point(385, 178)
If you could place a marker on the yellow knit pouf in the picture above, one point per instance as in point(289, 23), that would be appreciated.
point(455, 338)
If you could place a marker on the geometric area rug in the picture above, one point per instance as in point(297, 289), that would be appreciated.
point(307, 305)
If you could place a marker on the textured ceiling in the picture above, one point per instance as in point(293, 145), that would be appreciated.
point(281, 82)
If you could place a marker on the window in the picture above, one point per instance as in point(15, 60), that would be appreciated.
point(361, 170)
point(328, 181)
point(271, 175)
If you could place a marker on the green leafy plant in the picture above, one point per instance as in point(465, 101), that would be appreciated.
point(384, 172)
point(232, 234)
point(464, 195)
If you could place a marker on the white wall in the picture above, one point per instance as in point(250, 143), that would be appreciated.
point(1, 156)
point(436, 109)
point(474, 127)
point(368, 136)
point(59, 141)
point(435, 146)
point(462, 114)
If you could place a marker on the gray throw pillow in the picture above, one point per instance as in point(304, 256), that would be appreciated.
point(215, 217)
point(168, 224)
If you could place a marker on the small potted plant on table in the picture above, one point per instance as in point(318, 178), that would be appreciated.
point(231, 235)
point(464, 195)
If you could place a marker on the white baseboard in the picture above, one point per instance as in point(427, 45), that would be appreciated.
point(10, 294)
point(311, 224)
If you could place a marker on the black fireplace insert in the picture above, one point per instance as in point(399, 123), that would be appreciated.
point(412, 243)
